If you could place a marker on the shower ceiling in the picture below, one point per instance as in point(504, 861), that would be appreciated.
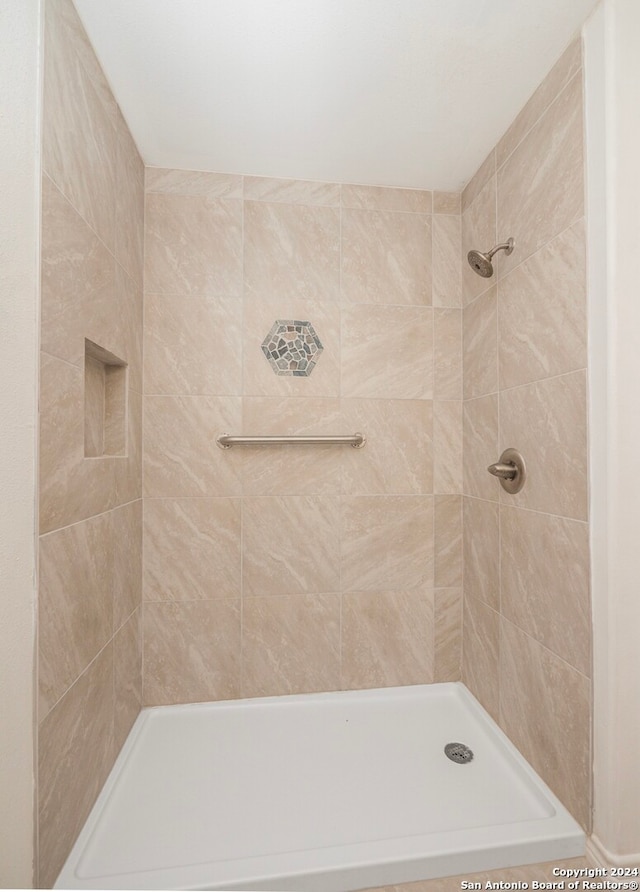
point(389, 92)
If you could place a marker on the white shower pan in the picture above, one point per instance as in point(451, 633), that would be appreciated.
point(319, 792)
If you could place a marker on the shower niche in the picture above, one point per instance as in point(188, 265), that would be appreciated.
point(105, 402)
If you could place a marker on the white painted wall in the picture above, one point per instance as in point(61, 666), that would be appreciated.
point(612, 37)
point(20, 26)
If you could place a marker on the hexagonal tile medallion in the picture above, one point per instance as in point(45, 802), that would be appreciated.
point(292, 347)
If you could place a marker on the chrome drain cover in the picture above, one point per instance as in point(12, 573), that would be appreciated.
point(458, 752)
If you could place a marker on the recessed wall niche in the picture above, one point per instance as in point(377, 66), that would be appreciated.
point(105, 402)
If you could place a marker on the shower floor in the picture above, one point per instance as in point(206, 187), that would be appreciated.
point(320, 792)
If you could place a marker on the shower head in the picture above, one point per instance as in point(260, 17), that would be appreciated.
point(481, 263)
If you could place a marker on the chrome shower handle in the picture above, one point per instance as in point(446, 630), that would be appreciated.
point(510, 471)
point(506, 471)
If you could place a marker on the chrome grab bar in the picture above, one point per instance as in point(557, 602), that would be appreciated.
point(225, 441)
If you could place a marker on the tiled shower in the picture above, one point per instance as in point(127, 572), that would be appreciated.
point(173, 571)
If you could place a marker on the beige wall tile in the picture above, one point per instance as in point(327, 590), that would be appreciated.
point(290, 645)
point(386, 198)
point(129, 210)
point(447, 203)
point(127, 677)
point(75, 754)
point(545, 582)
point(542, 312)
point(448, 541)
point(480, 654)
point(292, 191)
point(387, 638)
point(448, 634)
point(128, 469)
point(71, 487)
point(479, 233)
point(299, 470)
point(191, 549)
point(560, 75)
point(291, 251)
point(259, 378)
point(478, 181)
point(545, 709)
point(541, 185)
point(480, 446)
point(447, 271)
point(547, 421)
point(191, 651)
point(387, 543)
point(193, 344)
point(386, 257)
point(398, 454)
point(75, 608)
point(193, 244)
point(480, 337)
point(482, 551)
point(79, 139)
point(447, 446)
point(180, 455)
point(126, 523)
point(387, 352)
point(193, 182)
point(290, 545)
point(77, 271)
point(447, 350)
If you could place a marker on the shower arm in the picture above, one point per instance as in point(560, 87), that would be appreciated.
point(505, 246)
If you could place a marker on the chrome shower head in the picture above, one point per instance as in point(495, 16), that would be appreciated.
point(481, 263)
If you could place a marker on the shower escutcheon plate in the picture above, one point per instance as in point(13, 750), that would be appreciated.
point(510, 470)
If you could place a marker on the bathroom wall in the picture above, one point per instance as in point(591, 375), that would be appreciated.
point(283, 570)
point(90, 436)
point(527, 629)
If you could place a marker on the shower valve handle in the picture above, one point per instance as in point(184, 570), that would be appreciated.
point(506, 471)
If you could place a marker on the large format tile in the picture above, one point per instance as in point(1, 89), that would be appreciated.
point(447, 446)
point(193, 344)
point(448, 541)
point(291, 251)
point(191, 651)
point(294, 470)
point(447, 271)
point(398, 454)
point(386, 198)
point(181, 458)
point(480, 338)
point(75, 609)
point(126, 523)
point(480, 446)
point(447, 632)
point(545, 581)
point(541, 185)
point(386, 258)
point(290, 545)
point(387, 543)
point(308, 192)
point(387, 352)
point(545, 708)
point(290, 645)
point(387, 638)
point(79, 138)
point(447, 354)
point(542, 311)
point(447, 203)
point(191, 549)
point(193, 182)
point(129, 212)
point(560, 75)
point(75, 754)
point(127, 677)
point(482, 551)
point(547, 422)
point(478, 181)
point(480, 653)
point(193, 244)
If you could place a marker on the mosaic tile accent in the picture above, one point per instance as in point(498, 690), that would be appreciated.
point(292, 347)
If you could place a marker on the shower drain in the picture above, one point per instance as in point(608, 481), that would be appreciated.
point(458, 752)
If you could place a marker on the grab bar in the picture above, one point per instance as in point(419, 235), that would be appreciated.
point(225, 441)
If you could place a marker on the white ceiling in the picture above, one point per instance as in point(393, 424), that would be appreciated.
point(389, 92)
